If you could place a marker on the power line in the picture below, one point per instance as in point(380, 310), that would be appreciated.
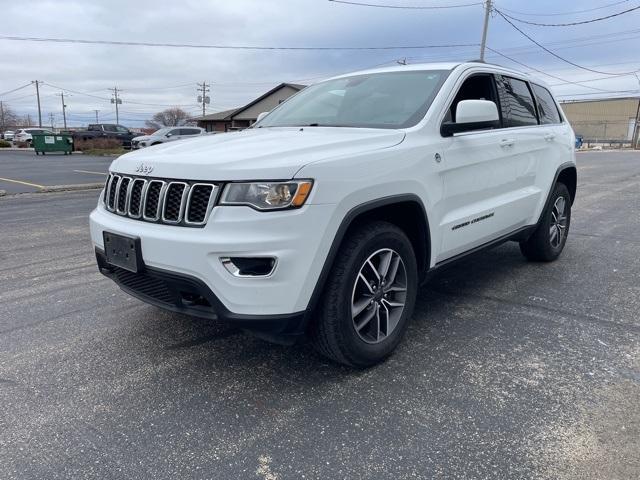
point(558, 14)
point(406, 7)
point(77, 92)
point(13, 99)
point(222, 47)
point(558, 56)
point(593, 20)
point(15, 89)
point(545, 73)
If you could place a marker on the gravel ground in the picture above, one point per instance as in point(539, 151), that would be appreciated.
point(509, 369)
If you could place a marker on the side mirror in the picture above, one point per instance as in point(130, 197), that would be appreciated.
point(261, 116)
point(472, 115)
point(168, 135)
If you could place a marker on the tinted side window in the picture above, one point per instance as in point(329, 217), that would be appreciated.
point(110, 128)
point(517, 104)
point(546, 106)
point(190, 131)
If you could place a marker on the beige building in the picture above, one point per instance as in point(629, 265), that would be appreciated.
point(243, 117)
point(606, 120)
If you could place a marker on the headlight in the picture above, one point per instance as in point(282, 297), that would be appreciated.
point(267, 195)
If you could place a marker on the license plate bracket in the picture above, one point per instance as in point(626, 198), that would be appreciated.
point(123, 251)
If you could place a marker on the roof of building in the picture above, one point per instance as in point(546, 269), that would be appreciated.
point(591, 100)
point(295, 86)
point(227, 114)
point(224, 115)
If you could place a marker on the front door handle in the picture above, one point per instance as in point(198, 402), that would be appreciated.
point(549, 137)
point(507, 142)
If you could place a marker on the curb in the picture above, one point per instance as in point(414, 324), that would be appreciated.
point(54, 189)
point(70, 188)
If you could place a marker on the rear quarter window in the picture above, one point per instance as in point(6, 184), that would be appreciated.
point(516, 102)
point(547, 108)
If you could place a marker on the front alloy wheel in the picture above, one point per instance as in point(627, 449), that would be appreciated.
point(368, 297)
point(379, 295)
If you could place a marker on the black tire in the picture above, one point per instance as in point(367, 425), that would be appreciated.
point(542, 246)
point(333, 331)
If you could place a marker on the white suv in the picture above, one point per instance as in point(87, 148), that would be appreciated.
point(324, 218)
point(24, 134)
point(164, 135)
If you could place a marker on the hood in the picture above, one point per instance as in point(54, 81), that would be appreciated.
point(141, 138)
point(254, 154)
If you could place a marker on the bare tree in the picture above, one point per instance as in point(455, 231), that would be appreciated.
point(171, 117)
point(8, 118)
point(26, 121)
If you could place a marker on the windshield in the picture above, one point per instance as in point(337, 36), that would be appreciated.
point(376, 100)
point(162, 131)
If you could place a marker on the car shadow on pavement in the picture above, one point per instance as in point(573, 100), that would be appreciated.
point(220, 345)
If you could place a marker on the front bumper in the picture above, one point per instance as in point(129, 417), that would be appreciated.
point(190, 296)
point(299, 239)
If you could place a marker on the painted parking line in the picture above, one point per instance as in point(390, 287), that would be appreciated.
point(23, 183)
point(88, 171)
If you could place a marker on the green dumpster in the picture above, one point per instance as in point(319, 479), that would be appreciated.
point(45, 143)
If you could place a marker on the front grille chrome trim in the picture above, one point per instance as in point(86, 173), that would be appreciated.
point(210, 204)
point(126, 196)
point(113, 193)
point(156, 217)
point(141, 202)
point(185, 193)
point(115, 182)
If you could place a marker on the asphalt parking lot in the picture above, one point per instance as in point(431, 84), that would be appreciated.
point(23, 172)
point(509, 369)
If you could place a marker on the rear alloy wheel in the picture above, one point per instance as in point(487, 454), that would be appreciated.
point(558, 228)
point(368, 297)
point(547, 242)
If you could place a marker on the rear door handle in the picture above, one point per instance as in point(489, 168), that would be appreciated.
point(507, 142)
point(549, 136)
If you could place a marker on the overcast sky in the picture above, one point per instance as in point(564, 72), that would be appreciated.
point(153, 78)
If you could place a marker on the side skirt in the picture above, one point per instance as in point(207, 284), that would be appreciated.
point(518, 235)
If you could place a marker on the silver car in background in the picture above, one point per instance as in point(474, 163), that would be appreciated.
point(164, 135)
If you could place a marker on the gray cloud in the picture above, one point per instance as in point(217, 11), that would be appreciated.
point(146, 73)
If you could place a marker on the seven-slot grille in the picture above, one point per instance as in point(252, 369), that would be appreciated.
point(152, 200)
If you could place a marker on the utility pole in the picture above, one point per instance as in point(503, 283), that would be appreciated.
point(117, 101)
point(51, 119)
point(64, 110)
point(97, 111)
point(37, 84)
point(203, 98)
point(2, 126)
point(487, 11)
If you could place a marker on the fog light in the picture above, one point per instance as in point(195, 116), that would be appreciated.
point(249, 266)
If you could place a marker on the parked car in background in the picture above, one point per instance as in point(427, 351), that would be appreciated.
point(24, 134)
point(164, 135)
point(106, 130)
point(8, 135)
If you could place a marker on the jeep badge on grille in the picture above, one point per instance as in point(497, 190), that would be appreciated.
point(144, 169)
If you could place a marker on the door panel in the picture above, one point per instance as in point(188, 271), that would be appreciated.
point(489, 184)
